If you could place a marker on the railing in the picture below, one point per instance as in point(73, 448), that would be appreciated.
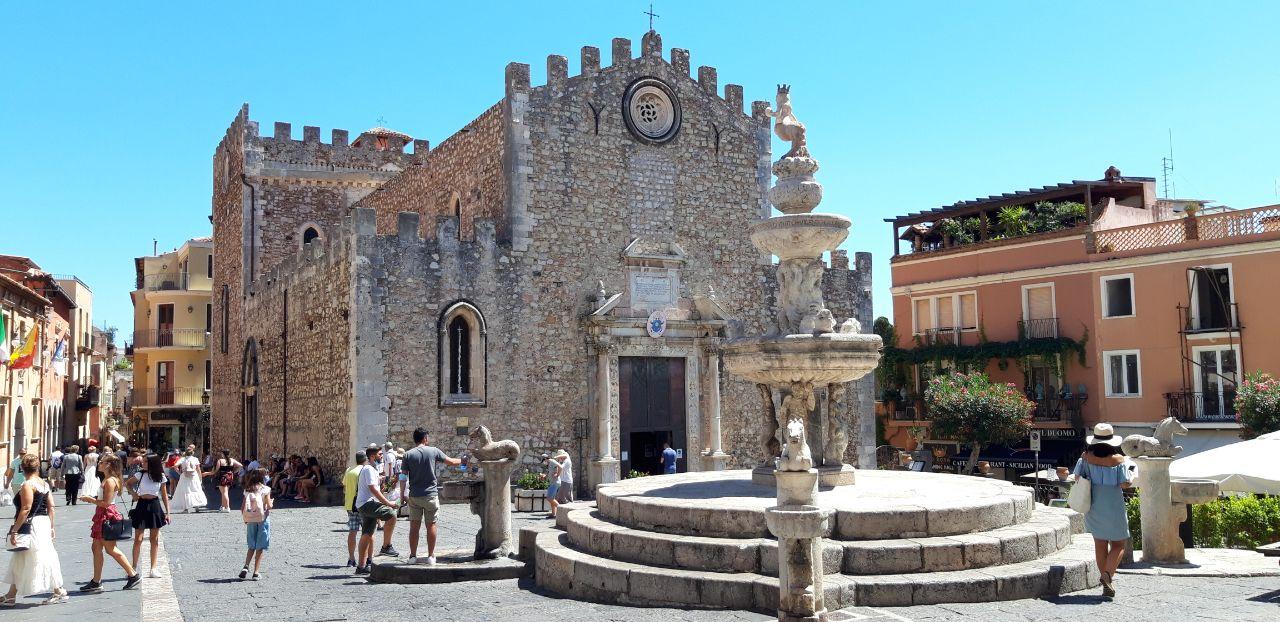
point(164, 281)
point(181, 396)
point(1057, 406)
point(89, 397)
point(171, 337)
point(949, 335)
point(911, 413)
point(1193, 406)
point(1205, 322)
point(1211, 227)
point(1038, 329)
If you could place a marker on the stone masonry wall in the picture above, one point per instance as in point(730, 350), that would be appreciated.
point(466, 167)
point(298, 314)
point(229, 251)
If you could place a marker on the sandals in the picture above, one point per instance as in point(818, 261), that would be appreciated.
point(1107, 589)
point(56, 599)
point(5, 601)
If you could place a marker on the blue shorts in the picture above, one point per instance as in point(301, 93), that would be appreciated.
point(551, 490)
point(258, 535)
point(353, 521)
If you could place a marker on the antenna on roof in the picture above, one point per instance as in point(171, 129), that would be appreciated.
point(1166, 171)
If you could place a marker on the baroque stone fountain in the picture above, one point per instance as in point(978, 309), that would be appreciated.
point(806, 353)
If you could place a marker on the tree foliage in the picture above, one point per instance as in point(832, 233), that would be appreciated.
point(971, 409)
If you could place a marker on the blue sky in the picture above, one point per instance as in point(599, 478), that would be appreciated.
point(110, 112)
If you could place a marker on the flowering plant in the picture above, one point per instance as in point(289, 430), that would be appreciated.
point(1258, 404)
point(971, 409)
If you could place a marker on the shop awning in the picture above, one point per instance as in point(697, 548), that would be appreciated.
point(116, 435)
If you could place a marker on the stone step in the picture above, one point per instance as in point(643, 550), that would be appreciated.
point(562, 569)
point(1045, 533)
point(883, 505)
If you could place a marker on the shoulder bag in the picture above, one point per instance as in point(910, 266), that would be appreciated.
point(23, 539)
point(1081, 496)
point(117, 529)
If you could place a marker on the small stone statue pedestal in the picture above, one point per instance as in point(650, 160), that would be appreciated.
point(494, 538)
point(1160, 541)
point(799, 526)
point(604, 471)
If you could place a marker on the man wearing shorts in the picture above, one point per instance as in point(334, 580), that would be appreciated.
point(350, 486)
point(419, 464)
point(374, 507)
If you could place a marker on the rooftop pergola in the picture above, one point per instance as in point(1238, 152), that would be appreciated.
point(1086, 192)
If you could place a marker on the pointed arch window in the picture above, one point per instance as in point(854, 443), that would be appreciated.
point(463, 356)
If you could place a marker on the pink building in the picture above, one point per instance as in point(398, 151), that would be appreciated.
point(1126, 312)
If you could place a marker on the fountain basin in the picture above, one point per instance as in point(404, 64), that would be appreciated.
point(796, 521)
point(825, 358)
point(800, 236)
point(1194, 490)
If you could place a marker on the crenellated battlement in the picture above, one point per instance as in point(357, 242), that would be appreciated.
point(282, 132)
point(558, 78)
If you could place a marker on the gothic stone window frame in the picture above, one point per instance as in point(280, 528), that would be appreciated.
point(474, 360)
point(302, 234)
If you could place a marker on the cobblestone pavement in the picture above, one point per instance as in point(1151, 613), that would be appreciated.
point(305, 578)
point(72, 541)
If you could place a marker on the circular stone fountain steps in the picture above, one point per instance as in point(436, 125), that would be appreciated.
point(1044, 534)
point(882, 505)
point(563, 569)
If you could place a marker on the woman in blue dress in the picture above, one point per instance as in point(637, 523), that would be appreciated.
point(1104, 466)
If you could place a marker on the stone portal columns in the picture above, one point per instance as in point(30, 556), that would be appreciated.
point(716, 458)
point(605, 469)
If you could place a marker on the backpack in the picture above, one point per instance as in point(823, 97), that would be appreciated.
point(56, 463)
point(249, 512)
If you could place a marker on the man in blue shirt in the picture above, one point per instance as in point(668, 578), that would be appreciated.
point(668, 459)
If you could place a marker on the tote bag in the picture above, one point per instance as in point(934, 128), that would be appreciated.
point(1081, 495)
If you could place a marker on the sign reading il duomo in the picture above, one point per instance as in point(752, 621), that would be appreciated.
point(564, 269)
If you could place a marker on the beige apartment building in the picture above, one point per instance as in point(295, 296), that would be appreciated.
point(1129, 311)
point(172, 315)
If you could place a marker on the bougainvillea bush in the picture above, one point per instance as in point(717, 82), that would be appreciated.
point(969, 408)
point(1258, 404)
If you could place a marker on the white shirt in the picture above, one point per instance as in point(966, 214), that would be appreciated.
point(189, 464)
point(566, 471)
point(368, 477)
point(254, 465)
point(147, 487)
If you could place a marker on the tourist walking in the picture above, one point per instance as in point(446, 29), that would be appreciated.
point(225, 477)
point(35, 570)
point(150, 512)
point(419, 467)
point(171, 469)
point(55, 468)
point(90, 483)
point(108, 526)
point(350, 487)
point(560, 481)
point(256, 513)
point(189, 494)
point(374, 507)
point(668, 459)
point(1104, 466)
point(73, 473)
point(13, 476)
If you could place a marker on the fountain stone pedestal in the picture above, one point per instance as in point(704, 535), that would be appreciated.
point(799, 526)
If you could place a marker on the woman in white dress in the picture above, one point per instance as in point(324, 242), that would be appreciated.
point(35, 570)
point(189, 495)
point(92, 485)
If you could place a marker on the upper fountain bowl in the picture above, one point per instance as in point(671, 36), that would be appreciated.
point(800, 236)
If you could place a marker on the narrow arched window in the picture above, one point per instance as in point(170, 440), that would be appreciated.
point(459, 356)
point(463, 363)
point(309, 235)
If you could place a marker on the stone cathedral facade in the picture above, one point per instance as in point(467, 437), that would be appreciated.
point(561, 270)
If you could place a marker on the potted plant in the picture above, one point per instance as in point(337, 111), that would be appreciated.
point(1258, 404)
point(531, 492)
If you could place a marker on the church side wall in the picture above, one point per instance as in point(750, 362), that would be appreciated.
point(299, 315)
point(466, 166)
point(226, 348)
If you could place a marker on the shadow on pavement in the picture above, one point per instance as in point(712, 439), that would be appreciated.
point(1269, 597)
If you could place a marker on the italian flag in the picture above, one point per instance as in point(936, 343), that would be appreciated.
point(25, 356)
point(4, 342)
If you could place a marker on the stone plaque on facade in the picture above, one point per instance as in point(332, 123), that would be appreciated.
point(652, 290)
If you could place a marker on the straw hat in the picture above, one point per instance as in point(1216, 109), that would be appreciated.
point(1104, 434)
point(560, 453)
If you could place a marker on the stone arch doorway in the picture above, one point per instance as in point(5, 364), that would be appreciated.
point(249, 400)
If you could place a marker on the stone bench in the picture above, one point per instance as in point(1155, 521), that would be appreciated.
point(328, 494)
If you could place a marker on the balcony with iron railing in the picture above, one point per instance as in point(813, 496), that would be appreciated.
point(171, 338)
point(180, 396)
point(1220, 317)
point(948, 335)
point(89, 397)
point(1202, 406)
point(1042, 328)
point(173, 281)
point(1058, 405)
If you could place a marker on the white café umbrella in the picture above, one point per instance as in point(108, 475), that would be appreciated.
point(1248, 466)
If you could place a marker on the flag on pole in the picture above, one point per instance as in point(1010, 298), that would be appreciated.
point(60, 358)
point(25, 356)
point(4, 342)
